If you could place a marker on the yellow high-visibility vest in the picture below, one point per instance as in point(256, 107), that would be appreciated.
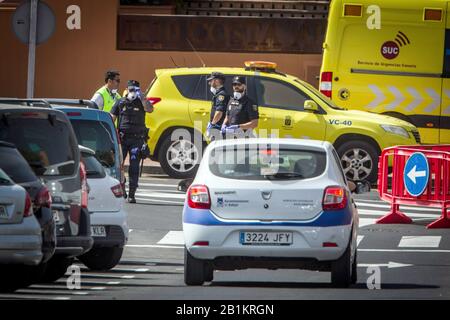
point(108, 100)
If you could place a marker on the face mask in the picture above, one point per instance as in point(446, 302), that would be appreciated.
point(114, 91)
point(238, 95)
point(213, 90)
point(132, 96)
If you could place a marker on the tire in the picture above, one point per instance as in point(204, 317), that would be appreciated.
point(209, 272)
point(56, 268)
point(359, 160)
point(179, 159)
point(194, 270)
point(341, 270)
point(101, 259)
point(355, 269)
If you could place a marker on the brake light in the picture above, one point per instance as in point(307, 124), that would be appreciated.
point(118, 191)
point(43, 198)
point(28, 210)
point(326, 83)
point(154, 100)
point(198, 197)
point(335, 198)
point(74, 114)
point(84, 186)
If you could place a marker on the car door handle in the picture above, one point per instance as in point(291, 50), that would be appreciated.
point(202, 111)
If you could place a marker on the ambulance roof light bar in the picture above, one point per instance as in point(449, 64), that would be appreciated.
point(262, 66)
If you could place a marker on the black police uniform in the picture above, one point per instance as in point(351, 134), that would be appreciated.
point(133, 133)
point(241, 111)
point(219, 103)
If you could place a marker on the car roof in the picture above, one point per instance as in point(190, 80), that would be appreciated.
point(292, 142)
point(7, 144)
point(86, 113)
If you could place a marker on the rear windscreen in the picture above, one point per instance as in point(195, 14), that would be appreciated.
point(4, 179)
point(96, 135)
point(15, 166)
point(94, 169)
point(46, 143)
point(262, 163)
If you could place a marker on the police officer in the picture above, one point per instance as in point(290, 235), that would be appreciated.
point(219, 102)
point(242, 112)
point(130, 112)
point(106, 96)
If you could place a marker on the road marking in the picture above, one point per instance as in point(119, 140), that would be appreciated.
point(366, 222)
point(161, 195)
point(151, 201)
point(61, 298)
point(98, 288)
point(420, 242)
point(127, 277)
point(405, 250)
point(358, 240)
point(173, 238)
point(153, 246)
point(390, 265)
point(367, 212)
point(406, 208)
point(144, 184)
point(113, 283)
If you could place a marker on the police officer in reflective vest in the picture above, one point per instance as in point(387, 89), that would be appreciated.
point(218, 105)
point(242, 112)
point(106, 96)
point(130, 112)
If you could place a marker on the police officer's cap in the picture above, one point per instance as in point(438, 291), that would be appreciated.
point(133, 83)
point(216, 75)
point(239, 80)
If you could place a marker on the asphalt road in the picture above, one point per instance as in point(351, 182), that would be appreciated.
point(413, 262)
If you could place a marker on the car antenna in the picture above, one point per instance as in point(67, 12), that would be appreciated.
point(195, 51)
point(173, 61)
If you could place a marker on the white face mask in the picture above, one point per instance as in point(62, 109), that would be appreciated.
point(114, 91)
point(238, 95)
point(213, 90)
point(132, 96)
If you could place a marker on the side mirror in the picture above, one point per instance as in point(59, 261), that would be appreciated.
point(311, 105)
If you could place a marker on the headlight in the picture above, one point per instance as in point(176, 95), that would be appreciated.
point(395, 130)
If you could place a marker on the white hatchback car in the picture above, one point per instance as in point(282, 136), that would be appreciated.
point(271, 203)
point(109, 225)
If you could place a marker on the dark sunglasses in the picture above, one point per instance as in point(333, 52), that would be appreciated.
point(116, 80)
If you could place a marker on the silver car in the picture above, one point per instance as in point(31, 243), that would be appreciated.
point(20, 232)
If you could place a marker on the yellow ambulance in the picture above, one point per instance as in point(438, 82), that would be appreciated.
point(391, 57)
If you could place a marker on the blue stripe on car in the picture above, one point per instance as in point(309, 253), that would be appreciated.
point(324, 219)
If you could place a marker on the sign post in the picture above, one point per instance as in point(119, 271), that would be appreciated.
point(32, 49)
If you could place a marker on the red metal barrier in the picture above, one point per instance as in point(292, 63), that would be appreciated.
point(392, 187)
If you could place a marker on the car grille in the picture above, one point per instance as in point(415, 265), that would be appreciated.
point(416, 135)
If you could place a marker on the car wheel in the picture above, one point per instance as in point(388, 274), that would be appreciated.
point(194, 270)
point(179, 158)
point(56, 268)
point(341, 270)
point(359, 160)
point(209, 272)
point(100, 259)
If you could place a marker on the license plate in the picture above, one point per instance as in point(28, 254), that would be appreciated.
point(3, 213)
point(267, 238)
point(98, 231)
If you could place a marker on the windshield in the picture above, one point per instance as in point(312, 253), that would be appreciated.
point(266, 163)
point(15, 166)
point(4, 179)
point(97, 136)
point(318, 94)
point(47, 145)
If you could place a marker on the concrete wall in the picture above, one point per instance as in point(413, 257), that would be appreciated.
point(72, 63)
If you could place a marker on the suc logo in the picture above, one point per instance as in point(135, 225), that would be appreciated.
point(391, 49)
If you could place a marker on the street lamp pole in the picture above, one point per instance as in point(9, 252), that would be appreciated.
point(32, 48)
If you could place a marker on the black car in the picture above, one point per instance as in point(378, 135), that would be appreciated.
point(45, 138)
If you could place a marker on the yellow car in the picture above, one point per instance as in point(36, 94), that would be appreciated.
point(288, 108)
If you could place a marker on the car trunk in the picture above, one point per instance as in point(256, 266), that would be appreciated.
point(267, 200)
point(11, 200)
point(101, 198)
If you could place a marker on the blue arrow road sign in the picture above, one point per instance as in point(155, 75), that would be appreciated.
point(416, 174)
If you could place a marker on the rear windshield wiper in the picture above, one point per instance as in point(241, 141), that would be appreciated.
point(284, 175)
